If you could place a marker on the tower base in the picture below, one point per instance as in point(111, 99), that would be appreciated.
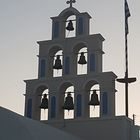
point(115, 128)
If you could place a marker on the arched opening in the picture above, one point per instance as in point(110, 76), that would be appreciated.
point(66, 97)
point(80, 67)
point(44, 105)
point(70, 30)
point(82, 61)
point(58, 64)
point(92, 96)
point(41, 102)
point(94, 101)
point(69, 103)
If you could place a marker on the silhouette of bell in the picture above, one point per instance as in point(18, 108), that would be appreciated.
point(44, 102)
point(68, 104)
point(82, 59)
point(57, 64)
point(94, 99)
point(70, 26)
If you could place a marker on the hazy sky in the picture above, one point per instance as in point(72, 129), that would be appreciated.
point(24, 22)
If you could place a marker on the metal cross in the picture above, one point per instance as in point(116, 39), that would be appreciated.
point(70, 2)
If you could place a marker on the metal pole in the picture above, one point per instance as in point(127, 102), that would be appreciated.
point(126, 75)
point(126, 97)
point(134, 119)
point(126, 79)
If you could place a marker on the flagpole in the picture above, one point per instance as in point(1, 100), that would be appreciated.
point(126, 75)
point(126, 80)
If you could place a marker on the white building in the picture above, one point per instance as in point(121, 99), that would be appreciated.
point(59, 77)
point(16, 127)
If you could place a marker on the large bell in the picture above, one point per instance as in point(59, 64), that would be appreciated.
point(44, 102)
point(82, 59)
point(57, 64)
point(70, 26)
point(68, 104)
point(94, 99)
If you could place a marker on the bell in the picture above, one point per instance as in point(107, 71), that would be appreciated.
point(82, 59)
point(44, 102)
point(57, 64)
point(94, 99)
point(68, 104)
point(70, 26)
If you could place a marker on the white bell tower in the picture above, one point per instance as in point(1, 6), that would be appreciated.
point(71, 83)
point(67, 50)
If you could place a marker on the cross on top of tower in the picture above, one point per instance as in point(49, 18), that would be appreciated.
point(71, 2)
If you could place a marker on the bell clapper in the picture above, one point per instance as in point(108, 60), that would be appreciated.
point(44, 114)
point(57, 71)
point(81, 68)
point(68, 33)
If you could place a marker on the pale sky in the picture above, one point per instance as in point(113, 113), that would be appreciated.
point(24, 22)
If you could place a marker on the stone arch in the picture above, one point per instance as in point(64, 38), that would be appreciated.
point(62, 94)
point(52, 57)
point(77, 49)
point(64, 86)
point(94, 111)
point(38, 97)
point(54, 49)
point(67, 15)
point(88, 84)
point(40, 88)
point(87, 87)
point(68, 12)
point(78, 46)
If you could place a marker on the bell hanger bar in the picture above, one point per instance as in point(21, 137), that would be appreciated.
point(66, 92)
point(53, 92)
point(95, 90)
point(70, 20)
point(81, 52)
point(43, 94)
point(68, 53)
point(69, 92)
point(57, 55)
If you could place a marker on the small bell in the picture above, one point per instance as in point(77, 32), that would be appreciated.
point(57, 64)
point(82, 59)
point(44, 102)
point(94, 99)
point(70, 26)
point(68, 104)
